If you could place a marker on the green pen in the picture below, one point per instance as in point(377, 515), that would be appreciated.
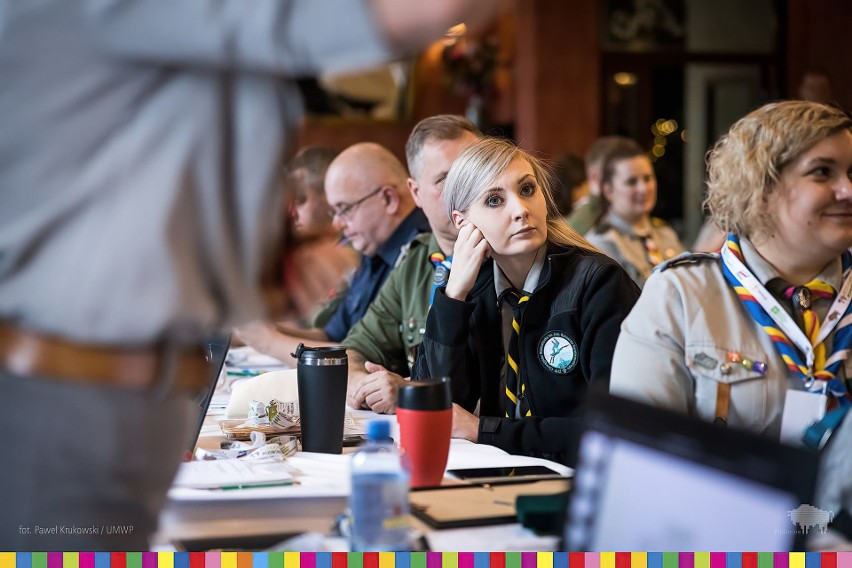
point(245, 373)
point(255, 485)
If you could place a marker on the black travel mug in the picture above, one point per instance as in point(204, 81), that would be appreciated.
point(322, 374)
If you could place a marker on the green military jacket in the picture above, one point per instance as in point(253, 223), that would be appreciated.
point(584, 216)
point(395, 322)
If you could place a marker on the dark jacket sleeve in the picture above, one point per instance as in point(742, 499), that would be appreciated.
point(443, 350)
point(607, 297)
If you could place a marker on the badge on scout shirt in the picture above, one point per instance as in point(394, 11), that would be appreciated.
point(557, 352)
point(705, 361)
point(441, 276)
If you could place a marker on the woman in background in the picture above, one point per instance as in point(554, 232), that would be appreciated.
point(531, 312)
point(626, 231)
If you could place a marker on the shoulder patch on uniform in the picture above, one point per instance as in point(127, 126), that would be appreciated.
point(403, 253)
point(422, 239)
point(405, 249)
point(557, 352)
point(685, 258)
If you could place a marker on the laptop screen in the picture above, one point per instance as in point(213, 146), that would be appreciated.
point(215, 350)
point(649, 479)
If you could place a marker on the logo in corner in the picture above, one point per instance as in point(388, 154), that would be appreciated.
point(807, 516)
point(557, 352)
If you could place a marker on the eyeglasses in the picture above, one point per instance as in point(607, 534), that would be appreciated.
point(345, 210)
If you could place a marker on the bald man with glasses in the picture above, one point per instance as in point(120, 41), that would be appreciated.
point(366, 187)
point(345, 210)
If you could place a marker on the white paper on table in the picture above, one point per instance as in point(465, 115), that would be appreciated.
point(323, 472)
point(191, 494)
point(317, 475)
point(220, 473)
point(219, 401)
point(360, 418)
point(249, 358)
point(466, 455)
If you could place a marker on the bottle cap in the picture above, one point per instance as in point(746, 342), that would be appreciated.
point(320, 355)
point(425, 395)
point(378, 429)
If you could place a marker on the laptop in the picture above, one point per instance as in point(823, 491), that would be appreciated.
point(215, 350)
point(649, 479)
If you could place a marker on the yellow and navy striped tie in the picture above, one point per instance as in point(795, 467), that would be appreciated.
point(516, 400)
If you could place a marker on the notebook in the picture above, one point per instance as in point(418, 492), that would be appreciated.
point(215, 350)
point(649, 479)
point(480, 504)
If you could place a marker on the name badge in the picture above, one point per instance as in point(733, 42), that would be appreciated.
point(801, 409)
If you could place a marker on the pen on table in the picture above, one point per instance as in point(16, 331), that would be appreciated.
point(244, 373)
point(256, 485)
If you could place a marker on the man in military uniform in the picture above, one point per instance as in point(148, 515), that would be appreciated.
point(382, 344)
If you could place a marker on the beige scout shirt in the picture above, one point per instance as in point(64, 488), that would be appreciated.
point(672, 351)
point(617, 239)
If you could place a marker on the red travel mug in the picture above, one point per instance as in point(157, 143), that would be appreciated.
point(424, 411)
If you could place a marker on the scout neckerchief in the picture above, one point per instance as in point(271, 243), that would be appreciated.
point(786, 334)
point(515, 385)
point(442, 266)
point(802, 300)
point(652, 253)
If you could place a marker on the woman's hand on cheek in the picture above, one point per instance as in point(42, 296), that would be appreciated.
point(470, 251)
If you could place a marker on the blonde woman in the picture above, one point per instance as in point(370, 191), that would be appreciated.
point(626, 231)
point(757, 337)
point(531, 312)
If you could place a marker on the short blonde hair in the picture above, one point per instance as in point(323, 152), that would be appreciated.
point(476, 168)
point(746, 163)
point(431, 128)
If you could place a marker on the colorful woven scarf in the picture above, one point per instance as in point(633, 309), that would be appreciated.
point(792, 358)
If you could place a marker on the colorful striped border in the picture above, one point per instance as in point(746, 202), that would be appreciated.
point(425, 560)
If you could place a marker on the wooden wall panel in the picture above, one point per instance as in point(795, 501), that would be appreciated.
point(558, 93)
point(818, 32)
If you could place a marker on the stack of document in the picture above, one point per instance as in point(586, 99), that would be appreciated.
point(231, 474)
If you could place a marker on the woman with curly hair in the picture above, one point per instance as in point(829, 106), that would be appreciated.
point(759, 336)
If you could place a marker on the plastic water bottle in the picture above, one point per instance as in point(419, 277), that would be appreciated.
point(379, 501)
